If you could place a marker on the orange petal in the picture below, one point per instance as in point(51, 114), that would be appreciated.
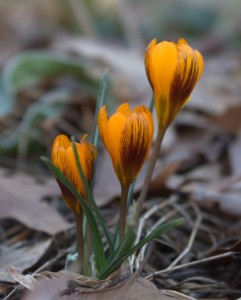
point(115, 127)
point(162, 65)
point(60, 142)
point(188, 71)
point(102, 123)
point(146, 112)
point(148, 54)
point(124, 109)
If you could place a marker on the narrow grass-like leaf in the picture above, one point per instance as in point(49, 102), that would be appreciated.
point(100, 102)
point(96, 237)
point(92, 200)
point(116, 262)
point(125, 245)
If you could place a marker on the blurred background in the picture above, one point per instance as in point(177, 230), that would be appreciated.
point(53, 53)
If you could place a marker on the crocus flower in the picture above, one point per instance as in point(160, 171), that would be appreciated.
point(127, 137)
point(63, 157)
point(173, 71)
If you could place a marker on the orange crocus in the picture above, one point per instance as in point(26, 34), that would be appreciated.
point(173, 71)
point(128, 138)
point(63, 157)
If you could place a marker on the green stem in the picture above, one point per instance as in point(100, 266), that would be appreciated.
point(149, 171)
point(124, 195)
point(88, 242)
point(87, 248)
point(80, 240)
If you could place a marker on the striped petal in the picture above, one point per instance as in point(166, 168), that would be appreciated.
point(127, 137)
point(173, 71)
point(63, 157)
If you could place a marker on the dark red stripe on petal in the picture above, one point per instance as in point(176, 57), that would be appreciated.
point(185, 78)
point(135, 145)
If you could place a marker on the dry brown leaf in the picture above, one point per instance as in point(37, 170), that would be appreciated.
point(25, 280)
point(229, 121)
point(219, 87)
point(20, 199)
point(177, 295)
point(224, 194)
point(47, 289)
point(139, 289)
point(159, 182)
point(21, 258)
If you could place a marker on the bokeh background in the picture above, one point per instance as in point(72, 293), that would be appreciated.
point(53, 53)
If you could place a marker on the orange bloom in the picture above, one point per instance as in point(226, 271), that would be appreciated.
point(63, 157)
point(128, 138)
point(173, 71)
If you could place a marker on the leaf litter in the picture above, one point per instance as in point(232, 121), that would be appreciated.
point(25, 202)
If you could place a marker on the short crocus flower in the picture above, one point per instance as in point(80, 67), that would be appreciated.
point(63, 157)
point(128, 138)
point(173, 71)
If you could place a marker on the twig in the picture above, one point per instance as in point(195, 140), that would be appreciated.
point(193, 263)
point(146, 216)
point(190, 242)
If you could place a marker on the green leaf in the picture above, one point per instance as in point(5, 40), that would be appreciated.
point(100, 102)
point(27, 69)
point(92, 200)
point(96, 237)
point(29, 130)
point(30, 67)
point(117, 260)
point(104, 83)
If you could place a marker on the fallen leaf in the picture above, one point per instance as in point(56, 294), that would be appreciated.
point(47, 290)
point(139, 289)
point(177, 295)
point(21, 258)
point(20, 199)
point(25, 280)
point(219, 87)
point(229, 121)
point(159, 182)
point(224, 193)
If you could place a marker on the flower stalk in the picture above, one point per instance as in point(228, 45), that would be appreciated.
point(80, 242)
point(123, 210)
point(149, 171)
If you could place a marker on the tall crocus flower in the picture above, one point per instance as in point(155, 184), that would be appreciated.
point(127, 137)
point(173, 71)
point(63, 157)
